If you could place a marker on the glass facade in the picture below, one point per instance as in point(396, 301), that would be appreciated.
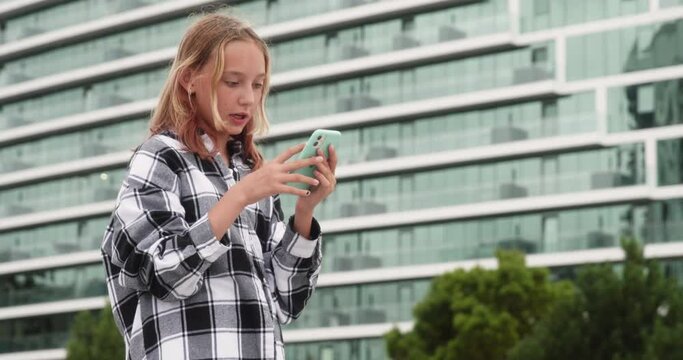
point(620, 50)
point(93, 52)
point(355, 349)
point(538, 15)
point(520, 66)
point(71, 191)
point(669, 169)
point(40, 332)
point(669, 3)
point(263, 12)
point(538, 119)
point(543, 232)
point(518, 178)
point(118, 91)
point(625, 50)
point(337, 45)
point(495, 70)
point(361, 304)
point(71, 12)
point(52, 239)
point(573, 114)
point(73, 146)
point(52, 285)
point(51, 331)
point(461, 22)
point(74, 12)
point(644, 106)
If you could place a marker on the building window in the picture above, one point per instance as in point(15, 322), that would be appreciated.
point(539, 55)
point(646, 99)
point(541, 7)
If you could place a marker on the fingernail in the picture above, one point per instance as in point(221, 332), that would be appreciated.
point(316, 182)
point(319, 159)
point(308, 193)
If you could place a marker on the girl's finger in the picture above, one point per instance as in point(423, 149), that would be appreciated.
point(333, 158)
point(287, 154)
point(323, 180)
point(286, 189)
point(301, 179)
point(324, 168)
point(298, 164)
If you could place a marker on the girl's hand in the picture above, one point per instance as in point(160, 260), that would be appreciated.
point(325, 174)
point(273, 176)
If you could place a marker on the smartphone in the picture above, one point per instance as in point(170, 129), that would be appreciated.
point(320, 139)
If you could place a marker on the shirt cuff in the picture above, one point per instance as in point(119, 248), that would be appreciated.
point(299, 245)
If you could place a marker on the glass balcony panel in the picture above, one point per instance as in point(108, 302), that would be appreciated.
point(92, 52)
point(670, 3)
point(624, 50)
point(519, 178)
point(570, 115)
point(644, 106)
point(122, 90)
point(362, 304)
point(449, 78)
point(35, 333)
point(53, 239)
point(458, 22)
point(73, 146)
point(536, 15)
point(66, 14)
point(61, 193)
point(52, 285)
point(543, 232)
point(361, 349)
point(669, 171)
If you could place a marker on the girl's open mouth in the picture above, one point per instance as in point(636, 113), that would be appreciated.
point(239, 118)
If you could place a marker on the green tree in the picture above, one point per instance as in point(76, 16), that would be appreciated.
point(630, 311)
point(79, 344)
point(95, 337)
point(478, 314)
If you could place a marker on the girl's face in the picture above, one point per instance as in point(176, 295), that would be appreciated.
point(240, 89)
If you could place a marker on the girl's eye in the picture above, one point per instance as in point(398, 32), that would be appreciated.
point(258, 86)
point(232, 83)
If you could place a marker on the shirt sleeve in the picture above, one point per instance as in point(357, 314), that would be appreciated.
point(294, 262)
point(151, 242)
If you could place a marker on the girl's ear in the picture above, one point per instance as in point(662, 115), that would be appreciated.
point(187, 80)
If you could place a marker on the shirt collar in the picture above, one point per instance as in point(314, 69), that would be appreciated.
point(234, 146)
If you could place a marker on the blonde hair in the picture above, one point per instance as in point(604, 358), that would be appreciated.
point(175, 110)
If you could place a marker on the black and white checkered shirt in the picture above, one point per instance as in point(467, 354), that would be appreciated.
point(177, 292)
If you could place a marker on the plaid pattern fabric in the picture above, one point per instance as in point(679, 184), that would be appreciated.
point(177, 292)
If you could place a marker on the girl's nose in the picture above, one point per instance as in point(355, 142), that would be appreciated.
point(247, 97)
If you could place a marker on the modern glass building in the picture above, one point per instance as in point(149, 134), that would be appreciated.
point(550, 126)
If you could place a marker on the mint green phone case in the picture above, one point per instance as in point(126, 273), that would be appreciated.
point(320, 139)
